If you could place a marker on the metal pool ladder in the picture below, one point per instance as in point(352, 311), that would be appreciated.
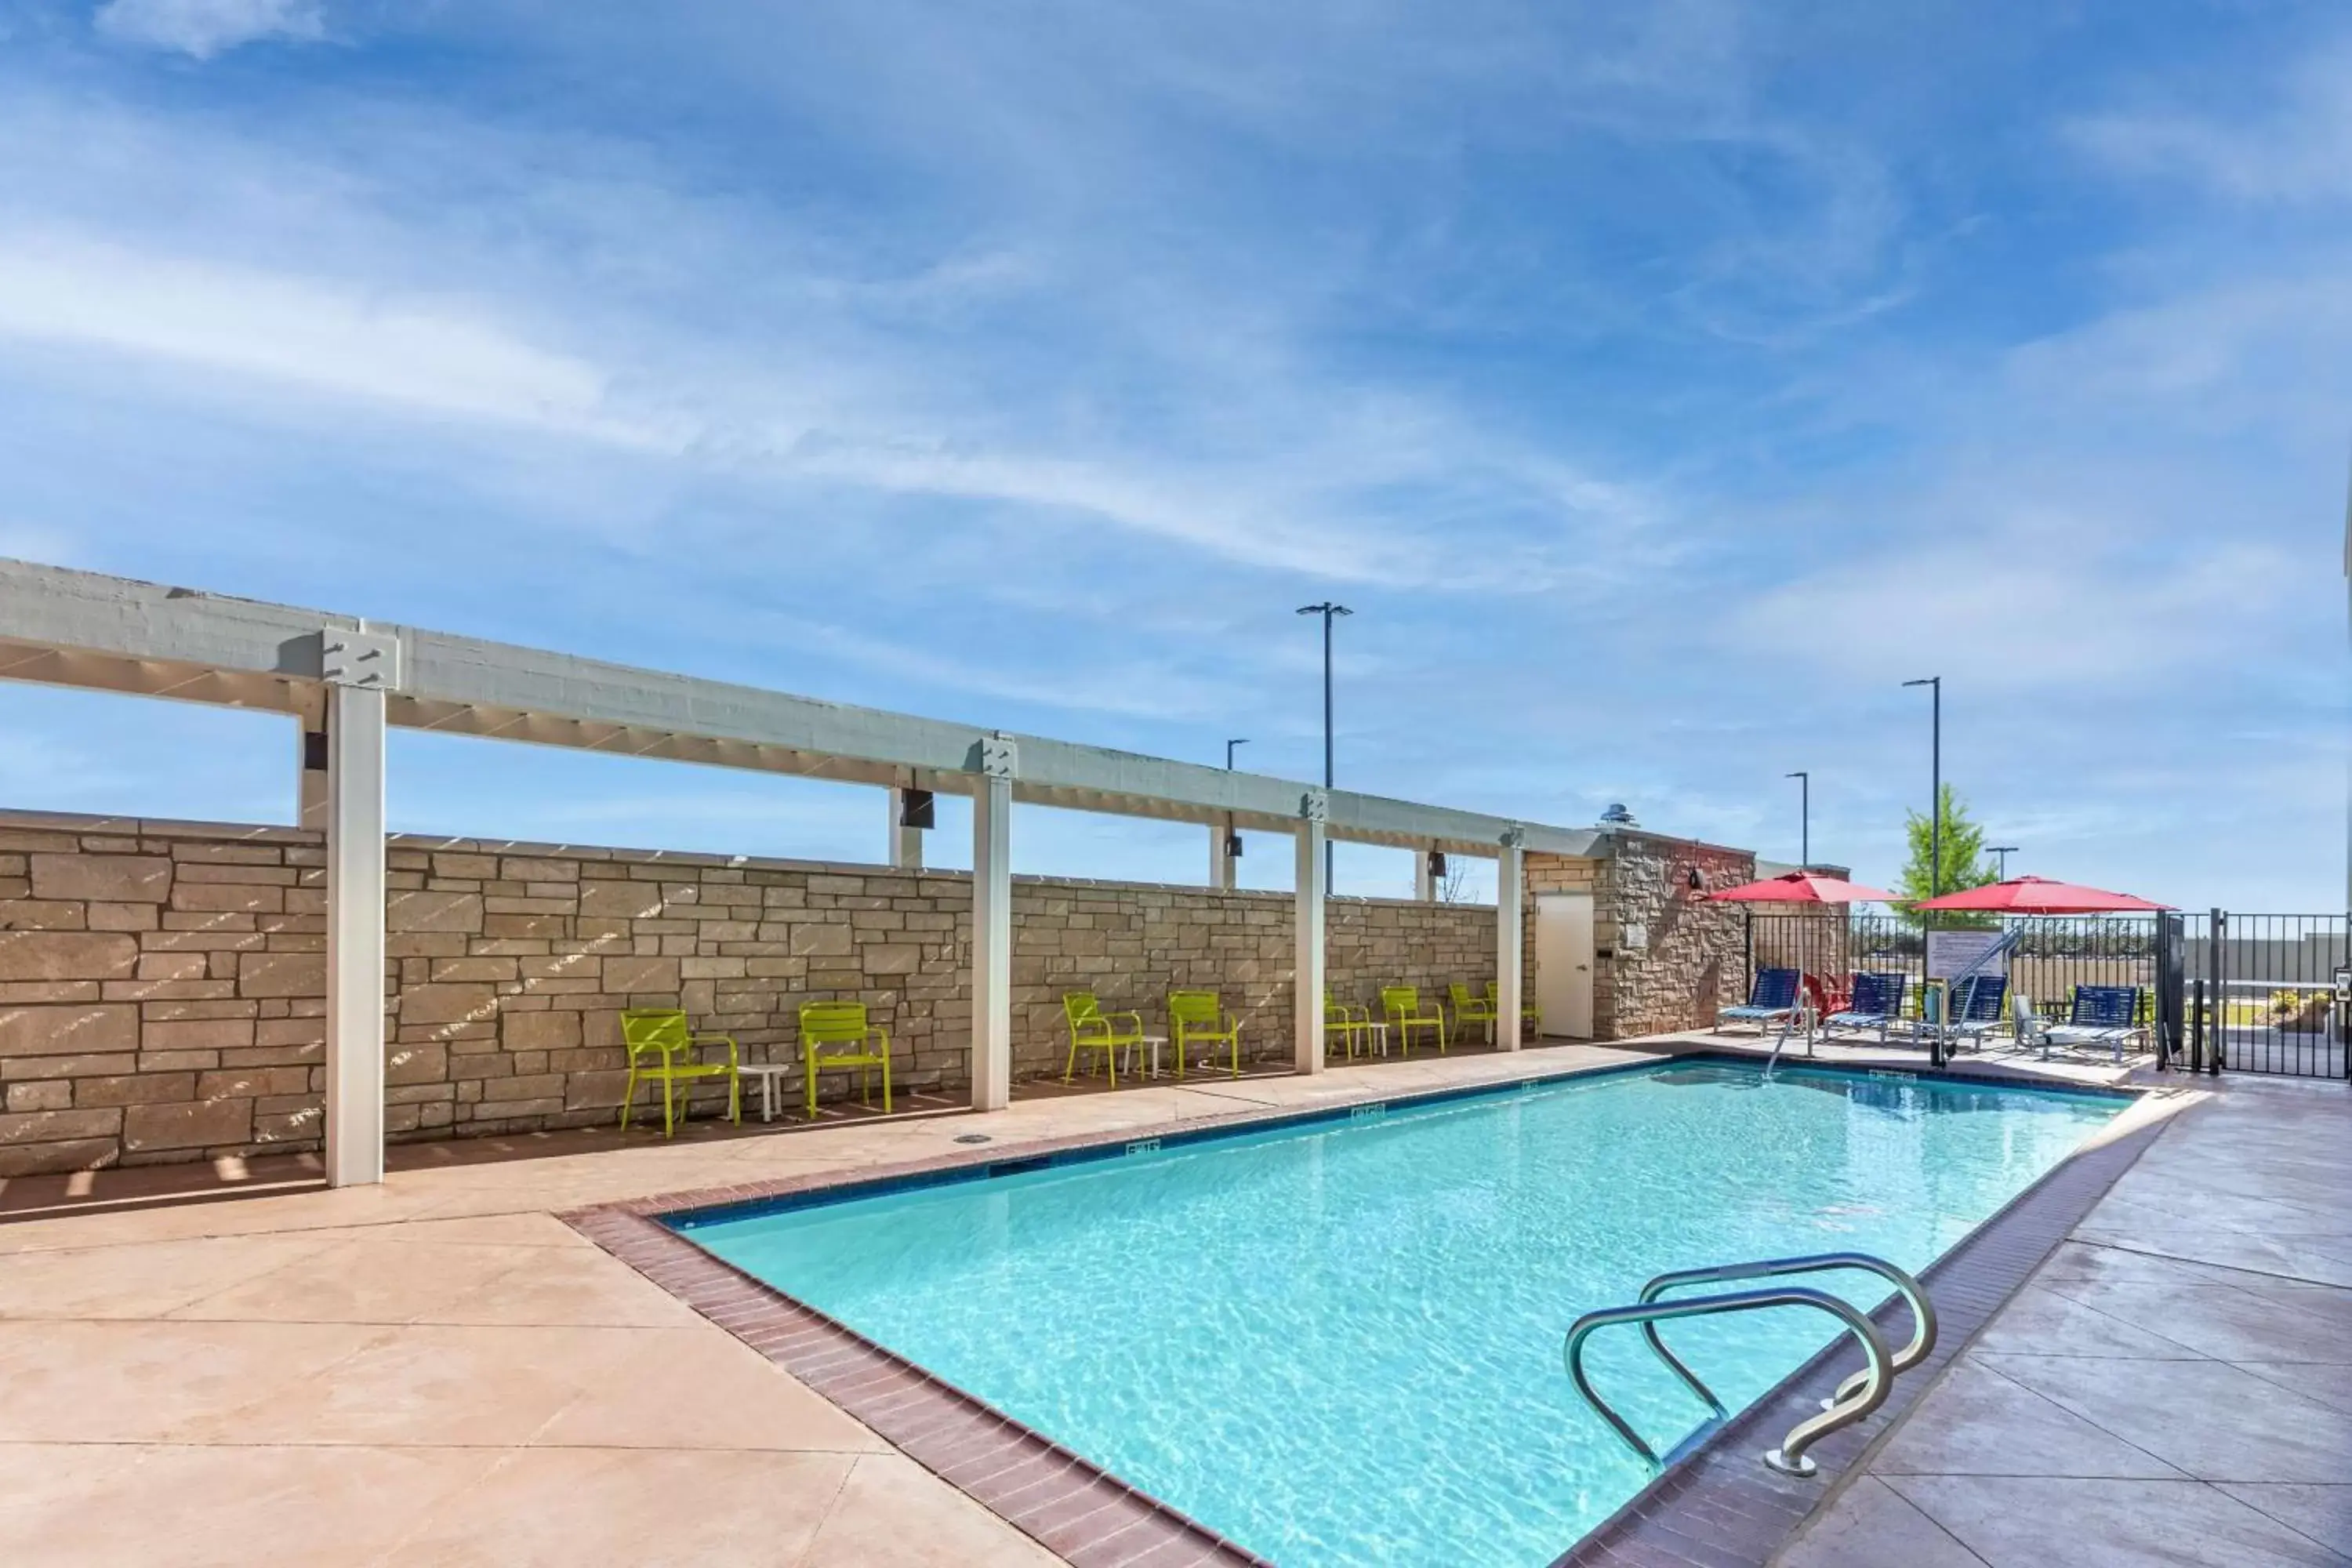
point(1855, 1398)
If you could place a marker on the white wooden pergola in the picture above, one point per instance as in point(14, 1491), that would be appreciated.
point(345, 680)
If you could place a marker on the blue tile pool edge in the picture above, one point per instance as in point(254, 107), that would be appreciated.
point(687, 1212)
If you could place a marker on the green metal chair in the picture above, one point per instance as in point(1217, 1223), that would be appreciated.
point(1401, 1004)
point(1092, 1029)
point(1349, 1022)
point(1199, 1016)
point(836, 1034)
point(663, 1048)
point(1469, 1010)
point(1530, 1012)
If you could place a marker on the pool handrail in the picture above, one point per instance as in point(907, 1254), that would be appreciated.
point(1790, 1457)
point(1914, 1294)
point(1856, 1397)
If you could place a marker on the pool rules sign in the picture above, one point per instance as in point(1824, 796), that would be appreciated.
point(1956, 952)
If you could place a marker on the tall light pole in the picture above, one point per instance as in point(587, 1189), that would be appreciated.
point(1229, 751)
point(1326, 609)
point(2000, 854)
point(1934, 684)
point(1804, 817)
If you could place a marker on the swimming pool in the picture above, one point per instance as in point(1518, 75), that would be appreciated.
point(1339, 1342)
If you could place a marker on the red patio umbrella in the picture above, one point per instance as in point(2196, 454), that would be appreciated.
point(1803, 888)
point(2041, 896)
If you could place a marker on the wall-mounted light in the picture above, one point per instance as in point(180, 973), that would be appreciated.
point(1437, 865)
point(1697, 882)
point(915, 808)
point(1232, 846)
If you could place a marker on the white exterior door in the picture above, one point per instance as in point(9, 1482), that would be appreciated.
point(1564, 963)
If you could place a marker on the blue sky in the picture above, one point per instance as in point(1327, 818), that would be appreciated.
point(1661, 384)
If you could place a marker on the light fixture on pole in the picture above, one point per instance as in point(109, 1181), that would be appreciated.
point(1326, 609)
point(1229, 751)
point(1934, 684)
point(1804, 817)
point(2000, 854)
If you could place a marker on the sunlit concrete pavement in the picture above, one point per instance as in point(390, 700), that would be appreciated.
point(2173, 1386)
point(439, 1371)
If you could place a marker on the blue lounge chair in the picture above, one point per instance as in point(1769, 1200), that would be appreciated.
point(1876, 1005)
point(1773, 999)
point(2102, 1015)
point(1978, 1004)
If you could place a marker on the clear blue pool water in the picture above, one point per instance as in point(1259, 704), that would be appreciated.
point(1340, 1343)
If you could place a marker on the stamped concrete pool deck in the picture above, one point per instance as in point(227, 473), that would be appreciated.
point(2173, 1385)
point(439, 1371)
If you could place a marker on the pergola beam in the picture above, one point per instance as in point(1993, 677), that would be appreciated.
point(80, 628)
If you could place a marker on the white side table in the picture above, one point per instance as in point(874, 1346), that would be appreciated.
point(1380, 1034)
point(1153, 1042)
point(770, 1075)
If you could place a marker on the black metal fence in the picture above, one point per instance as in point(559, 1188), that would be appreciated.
point(2266, 993)
point(2053, 956)
point(2242, 992)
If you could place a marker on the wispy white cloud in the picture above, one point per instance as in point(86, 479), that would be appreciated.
point(2030, 603)
point(2292, 144)
point(206, 28)
point(313, 336)
point(1250, 453)
point(1150, 689)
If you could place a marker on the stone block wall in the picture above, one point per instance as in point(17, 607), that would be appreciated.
point(1693, 962)
point(1131, 944)
point(163, 991)
point(162, 986)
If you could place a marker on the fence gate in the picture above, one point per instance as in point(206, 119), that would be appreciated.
point(2267, 994)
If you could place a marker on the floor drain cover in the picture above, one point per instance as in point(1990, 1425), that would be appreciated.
point(972, 1138)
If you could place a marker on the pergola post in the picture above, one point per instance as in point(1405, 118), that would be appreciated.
point(1306, 917)
point(1510, 931)
point(992, 925)
point(359, 669)
point(906, 841)
point(1425, 875)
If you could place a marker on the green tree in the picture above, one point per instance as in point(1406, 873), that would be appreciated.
point(1964, 862)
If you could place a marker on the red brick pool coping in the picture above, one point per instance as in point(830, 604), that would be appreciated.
point(1074, 1507)
point(1718, 1508)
